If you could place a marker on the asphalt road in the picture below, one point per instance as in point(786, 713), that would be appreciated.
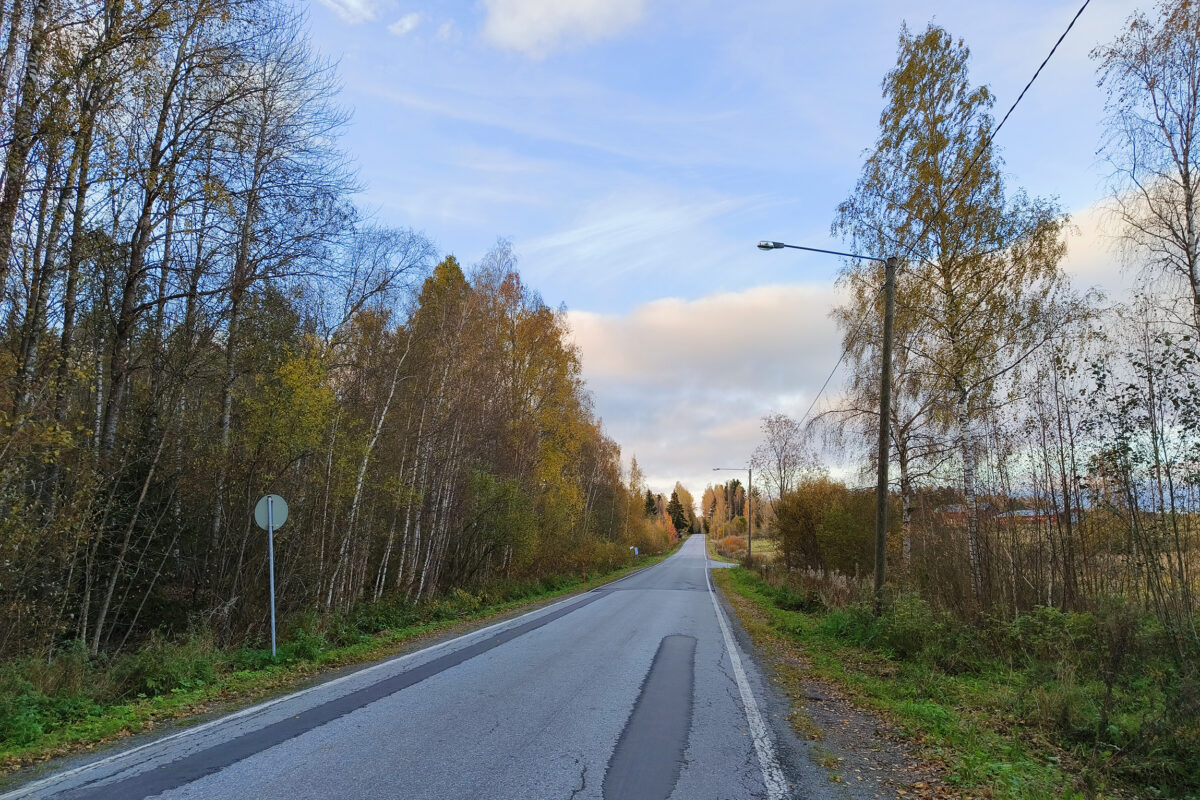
point(638, 689)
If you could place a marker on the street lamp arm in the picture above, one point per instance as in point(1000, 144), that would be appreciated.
point(885, 392)
point(765, 245)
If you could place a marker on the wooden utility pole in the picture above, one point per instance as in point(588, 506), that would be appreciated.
point(885, 402)
point(749, 517)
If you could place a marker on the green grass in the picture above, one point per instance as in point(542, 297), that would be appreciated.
point(1014, 708)
point(70, 702)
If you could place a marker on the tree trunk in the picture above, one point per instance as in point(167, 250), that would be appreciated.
point(24, 130)
point(116, 572)
point(974, 556)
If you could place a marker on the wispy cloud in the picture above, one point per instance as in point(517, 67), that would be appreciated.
point(644, 240)
point(629, 233)
point(470, 204)
point(579, 115)
point(353, 11)
point(405, 25)
point(538, 27)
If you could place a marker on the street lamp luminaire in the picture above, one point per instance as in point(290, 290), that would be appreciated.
point(885, 402)
point(749, 508)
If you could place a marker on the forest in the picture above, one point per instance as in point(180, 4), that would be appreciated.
point(194, 314)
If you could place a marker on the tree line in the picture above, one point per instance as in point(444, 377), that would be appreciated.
point(193, 313)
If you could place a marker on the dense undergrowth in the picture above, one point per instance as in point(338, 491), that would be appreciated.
point(1046, 704)
point(48, 704)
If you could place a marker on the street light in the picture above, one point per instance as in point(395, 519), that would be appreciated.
point(749, 508)
point(885, 401)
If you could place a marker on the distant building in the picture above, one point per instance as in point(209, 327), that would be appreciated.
point(958, 513)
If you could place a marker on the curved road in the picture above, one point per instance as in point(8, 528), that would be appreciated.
point(636, 689)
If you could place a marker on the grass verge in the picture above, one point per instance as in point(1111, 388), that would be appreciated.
point(1012, 709)
point(70, 703)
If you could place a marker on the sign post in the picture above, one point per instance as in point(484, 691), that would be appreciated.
point(270, 511)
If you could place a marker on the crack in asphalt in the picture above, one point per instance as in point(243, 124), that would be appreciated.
point(582, 781)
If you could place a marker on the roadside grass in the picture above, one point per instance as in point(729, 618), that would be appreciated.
point(1015, 710)
point(69, 702)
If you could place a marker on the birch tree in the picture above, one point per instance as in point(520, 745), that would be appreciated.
point(1153, 82)
point(980, 261)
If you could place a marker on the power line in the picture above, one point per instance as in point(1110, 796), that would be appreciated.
point(845, 349)
point(988, 142)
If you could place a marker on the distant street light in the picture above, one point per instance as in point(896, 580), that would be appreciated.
point(749, 508)
point(885, 402)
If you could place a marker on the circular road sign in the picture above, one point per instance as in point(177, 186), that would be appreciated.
point(279, 510)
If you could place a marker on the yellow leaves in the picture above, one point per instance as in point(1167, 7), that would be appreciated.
point(289, 412)
point(217, 194)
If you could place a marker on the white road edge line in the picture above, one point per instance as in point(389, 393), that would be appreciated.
point(41, 783)
point(773, 778)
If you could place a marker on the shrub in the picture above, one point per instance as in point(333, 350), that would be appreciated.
point(907, 628)
point(464, 601)
point(162, 666)
point(854, 624)
point(20, 718)
point(304, 645)
point(65, 672)
point(1045, 635)
point(732, 546)
point(250, 658)
point(808, 601)
point(384, 615)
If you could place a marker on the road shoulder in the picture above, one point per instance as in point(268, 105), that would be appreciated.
point(857, 754)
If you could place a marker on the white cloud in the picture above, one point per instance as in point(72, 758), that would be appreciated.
point(683, 384)
point(1092, 259)
point(405, 24)
point(352, 11)
point(447, 31)
point(538, 27)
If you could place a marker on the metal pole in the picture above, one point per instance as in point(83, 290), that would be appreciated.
point(271, 565)
point(885, 403)
point(749, 517)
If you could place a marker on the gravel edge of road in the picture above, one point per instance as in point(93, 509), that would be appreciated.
point(857, 755)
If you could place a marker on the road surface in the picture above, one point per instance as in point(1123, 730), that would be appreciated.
point(637, 689)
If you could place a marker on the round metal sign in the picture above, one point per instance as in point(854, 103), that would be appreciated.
point(279, 510)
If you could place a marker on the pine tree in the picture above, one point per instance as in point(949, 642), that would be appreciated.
point(677, 514)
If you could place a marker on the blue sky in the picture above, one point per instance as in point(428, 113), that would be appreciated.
point(635, 150)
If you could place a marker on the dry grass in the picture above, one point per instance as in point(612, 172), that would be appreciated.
point(767, 549)
point(732, 546)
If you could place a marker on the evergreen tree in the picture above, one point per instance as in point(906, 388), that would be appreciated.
point(678, 516)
